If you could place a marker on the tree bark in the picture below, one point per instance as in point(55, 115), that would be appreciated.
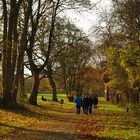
point(52, 83)
point(107, 94)
point(4, 49)
point(10, 40)
point(34, 67)
point(135, 97)
point(34, 92)
point(20, 58)
point(22, 85)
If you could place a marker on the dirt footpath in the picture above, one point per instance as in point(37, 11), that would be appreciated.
point(56, 124)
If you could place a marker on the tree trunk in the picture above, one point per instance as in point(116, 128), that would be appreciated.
point(12, 57)
point(54, 90)
point(127, 95)
point(135, 97)
point(22, 85)
point(117, 99)
point(107, 94)
point(35, 86)
point(20, 57)
point(52, 83)
point(7, 52)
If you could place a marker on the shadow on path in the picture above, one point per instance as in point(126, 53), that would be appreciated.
point(31, 134)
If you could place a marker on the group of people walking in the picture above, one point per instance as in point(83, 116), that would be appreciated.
point(86, 103)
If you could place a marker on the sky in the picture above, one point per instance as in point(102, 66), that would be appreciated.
point(85, 20)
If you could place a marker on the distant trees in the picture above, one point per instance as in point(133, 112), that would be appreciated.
point(121, 46)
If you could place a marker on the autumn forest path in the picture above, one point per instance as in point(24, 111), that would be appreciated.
point(56, 123)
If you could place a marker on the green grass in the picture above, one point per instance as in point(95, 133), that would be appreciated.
point(109, 107)
point(119, 124)
point(49, 96)
point(135, 109)
point(66, 104)
point(120, 133)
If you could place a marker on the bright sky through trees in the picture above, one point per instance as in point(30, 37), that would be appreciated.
point(86, 19)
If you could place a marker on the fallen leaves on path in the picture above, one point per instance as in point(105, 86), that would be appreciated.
point(53, 122)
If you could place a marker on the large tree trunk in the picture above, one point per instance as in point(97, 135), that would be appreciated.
point(12, 55)
point(22, 93)
point(34, 92)
point(9, 41)
point(20, 56)
point(52, 83)
point(54, 91)
point(34, 67)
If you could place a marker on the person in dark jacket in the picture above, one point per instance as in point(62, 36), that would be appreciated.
point(90, 104)
point(86, 103)
point(83, 104)
point(78, 102)
point(95, 101)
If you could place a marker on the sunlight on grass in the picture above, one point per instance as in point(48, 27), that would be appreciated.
point(110, 107)
point(103, 105)
point(119, 133)
point(66, 104)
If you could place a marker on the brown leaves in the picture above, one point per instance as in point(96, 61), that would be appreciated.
point(107, 122)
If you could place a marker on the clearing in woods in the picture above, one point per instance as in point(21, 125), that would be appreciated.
point(51, 122)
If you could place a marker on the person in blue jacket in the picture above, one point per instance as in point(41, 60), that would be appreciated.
point(78, 102)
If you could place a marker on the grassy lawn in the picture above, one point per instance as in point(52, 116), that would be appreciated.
point(106, 106)
point(118, 123)
point(66, 104)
